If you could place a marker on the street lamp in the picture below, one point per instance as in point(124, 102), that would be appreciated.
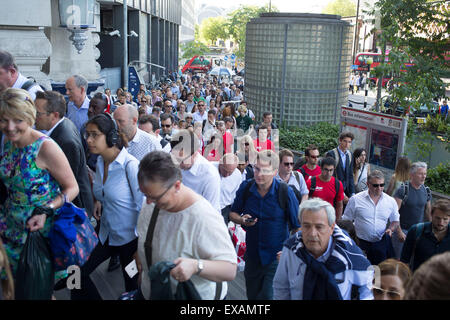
point(369, 61)
point(77, 16)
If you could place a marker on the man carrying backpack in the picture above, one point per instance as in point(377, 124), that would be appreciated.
point(265, 207)
point(425, 240)
point(414, 204)
point(294, 179)
point(10, 77)
point(327, 187)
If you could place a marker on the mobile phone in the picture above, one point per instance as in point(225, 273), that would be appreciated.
point(249, 219)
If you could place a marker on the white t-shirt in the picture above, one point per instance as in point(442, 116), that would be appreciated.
point(204, 179)
point(189, 233)
point(228, 186)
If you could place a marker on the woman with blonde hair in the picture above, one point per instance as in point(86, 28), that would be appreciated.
point(400, 175)
point(35, 172)
point(393, 278)
point(246, 148)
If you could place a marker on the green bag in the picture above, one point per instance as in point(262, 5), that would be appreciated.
point(35, 271)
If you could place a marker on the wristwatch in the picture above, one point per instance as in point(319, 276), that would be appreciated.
point(199, 266)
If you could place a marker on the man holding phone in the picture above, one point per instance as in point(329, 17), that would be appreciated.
point(258, 209)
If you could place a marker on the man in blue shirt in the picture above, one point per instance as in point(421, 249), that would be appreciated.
point(434, 237)
point(78, 106)
point(265, 222)
point(444, 109)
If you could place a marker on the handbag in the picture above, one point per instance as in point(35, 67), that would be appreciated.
point(72, 237)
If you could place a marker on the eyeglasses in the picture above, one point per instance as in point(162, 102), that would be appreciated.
point(394, 295)
point(156, 199)
point(94, 135)
point(38, 114)
point(287, 164)
point(376, 185)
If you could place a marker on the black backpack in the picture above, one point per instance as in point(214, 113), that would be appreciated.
point(282, 197)
point(29, 84)
point(337, 186)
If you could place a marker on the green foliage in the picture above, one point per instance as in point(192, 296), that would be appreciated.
point(214, 28)
point(405, 25)
point(438, 178)
point(193, 48)
point(344, 8)
point(324, 135)
point(237, 23)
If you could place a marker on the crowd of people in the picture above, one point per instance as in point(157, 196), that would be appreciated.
point(165, 174)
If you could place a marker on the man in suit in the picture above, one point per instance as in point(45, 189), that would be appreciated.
point(51, 107)
point(344, 163)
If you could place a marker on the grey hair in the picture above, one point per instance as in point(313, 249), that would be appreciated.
point(80, 81)
point(315, 205)
point(375, 174)
point(417, 165)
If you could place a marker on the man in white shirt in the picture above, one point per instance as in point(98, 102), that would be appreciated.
point(198, 173)
point(371, 210)
point(201, 114)
point(292, 178)
point(78, 106)
point(230, 180)
point(139, 142)
point(10, 77)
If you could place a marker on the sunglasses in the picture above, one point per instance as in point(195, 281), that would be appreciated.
point(313, 157)
point(287, 164)
point(393, 295)
point(376, 185)
point(246, 144)
point(166, 125)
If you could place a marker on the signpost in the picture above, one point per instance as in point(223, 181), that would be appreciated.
point(382, 136)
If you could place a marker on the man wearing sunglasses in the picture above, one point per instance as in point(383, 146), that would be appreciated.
point(371, 210)
point(310, 168)
point(294, 179)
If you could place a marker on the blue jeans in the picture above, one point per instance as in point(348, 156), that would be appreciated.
point(259, 279)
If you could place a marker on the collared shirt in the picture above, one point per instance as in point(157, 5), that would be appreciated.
point(425, 247)
point(343, 157)
point(199, 118)
point(32, 90)
point(302, 188)
point(290, 276)
point(266, 237)
point(142, 144)
point(228, 186)
point(204, 179)
point(120, 197)
point(370, 219)
point(79, 116)
point(49, 132)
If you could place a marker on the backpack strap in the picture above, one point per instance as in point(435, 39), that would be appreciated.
point(337, 187)
point(419, 231)
point(313, 187)
point(247, 191)
point(303, 171)
point(428, 190)
point(405, 186)
point(297, 177)
point(28, 84)
point(149, 237)
point(283, 201)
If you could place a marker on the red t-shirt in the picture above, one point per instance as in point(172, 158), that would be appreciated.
point(228, 142)
point(268, 145)
point(326, 190)
point(311, 173)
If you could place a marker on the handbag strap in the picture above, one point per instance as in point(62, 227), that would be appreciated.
point(149, 238)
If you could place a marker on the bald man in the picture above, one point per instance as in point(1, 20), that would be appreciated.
point(230, 180)
point(139, 142)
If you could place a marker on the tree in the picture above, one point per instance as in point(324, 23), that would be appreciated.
point(193, 48)
point(214, 28)
point(237, 23)
point(417, 31)
point(344, 8)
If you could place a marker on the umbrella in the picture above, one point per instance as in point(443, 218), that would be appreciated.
point(221, 71)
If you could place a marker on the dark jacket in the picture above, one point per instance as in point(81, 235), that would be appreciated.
point(68, 138)
point(345, 176)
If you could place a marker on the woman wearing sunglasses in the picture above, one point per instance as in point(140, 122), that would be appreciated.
point(393, 279)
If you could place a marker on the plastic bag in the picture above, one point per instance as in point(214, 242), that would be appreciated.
point(35, 273)
point(238, 238)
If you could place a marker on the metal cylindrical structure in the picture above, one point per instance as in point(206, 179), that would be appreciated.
point(297, 66)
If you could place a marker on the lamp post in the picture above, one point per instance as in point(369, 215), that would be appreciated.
point(369, 61)
point(77, 16)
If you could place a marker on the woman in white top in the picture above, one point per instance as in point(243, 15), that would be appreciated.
point(361, 169)
point(188, 231)
point(118, 203)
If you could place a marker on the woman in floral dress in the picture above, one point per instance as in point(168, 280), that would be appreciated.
point(35, 171)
